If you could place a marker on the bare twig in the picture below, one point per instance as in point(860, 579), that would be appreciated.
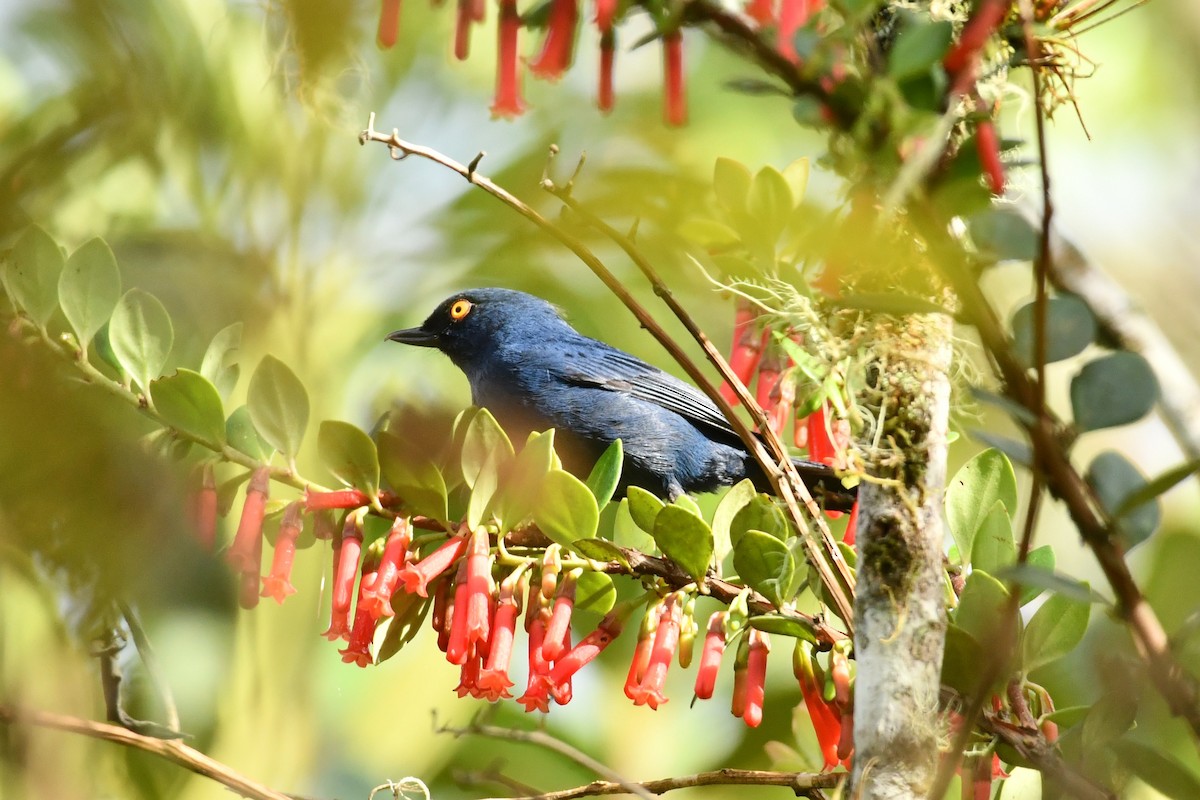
point(168, 749)
point(545, 740)
point(803, 784)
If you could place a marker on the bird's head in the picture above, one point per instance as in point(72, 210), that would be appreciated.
point(472, 325)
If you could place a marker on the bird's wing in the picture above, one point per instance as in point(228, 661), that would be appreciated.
point(614, 370)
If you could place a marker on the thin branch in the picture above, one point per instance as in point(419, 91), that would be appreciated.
point(803, 784)
point(545, 740)
point(168, 749)
point(401, 149)
point(150, 661)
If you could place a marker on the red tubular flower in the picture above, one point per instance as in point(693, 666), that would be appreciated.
point(792, 16)
point(493, 680)
point(641, 653)
point(988, 146)
point(746, 350)
point(245, 554)
point(559, 46)
point(444, 593)
point(666, 640)
point(986, 19)
point(605, 97)
point(348, 548)
point(845, 750)
point(561, 692)
point(588, 648)
point(710, 656)
point(674, 97)
point(839, 675)
point(756, 678)
point(358, 651)
point(338, 625)
point(343, 498)
point(537, 691)
point(820, 446)
point(508, 102)
point(462, 29)
point(389, 24)
point(559, 627)
point(377, 600)
point(479, 590)
point(278, 584)
point(417, 577)
point(825, 721)
point(761, 11)
point(206, 510)
point(468, 681)
point(741, 667)
point(851, 535)
point(457, 650)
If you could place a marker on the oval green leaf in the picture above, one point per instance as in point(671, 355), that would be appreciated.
point(919, 46)
point(606, 474)
point(1159, 770)
point(738, 496)
point(1070, 327)
point(1114, 390)
point(994, 547)
point(278, 405)
point(731, 184)
point(188, 402)
point(600, 550)
point(764, 564)
point(770, 203)
point(1055, 630)
point(627, 533)
point(485, 447)
point(760, 514)
point(1114, 478)
point(566, 510)
point(413, 476)
point(89, 288)
point(220, 359)
point(643, 507)
point(784, 626)
point(31, 274)
point(1003, 234)
point(243, 436)
point(983, 481)
point(685, 539)
point(980, 607)
point(595, 592)
point(349, 454)
point(141, 336)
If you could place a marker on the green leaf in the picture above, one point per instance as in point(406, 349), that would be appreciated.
point(760, 514)
point(350, 455)
point(983, 481)
point(685, 539)
point(219, 364)
point(920, 45)
point(643, 507)
point(1158, 770)
point(1160, 485)
point(994, 547)
point(485, 443)
point(770, 203)
point(523, 481)
point(89, 288)
point(764, 564)
point(961, 661)
point(784, 626)
point(1109, 719)
point(188, 402)
point(980, 607)
point(595, 592)
point(709, 233)
point(31, 275)
point(738, 496)
point(1114, 479)
point(141, 336)
point(599, 550)
point(1055, 630)
point(731, 184)
point(1114, 390)
point(1041, 558)
point(688, 503)
point(278, 405)
point(409, 611)
point(606, 474)
point(1003, 235)
point(566, 510)
point(796, 175)
point(1018, 452)
point(1070, 327)
point(627, 533)
point(243, 436)
point(1041, 578)
point(413, 476)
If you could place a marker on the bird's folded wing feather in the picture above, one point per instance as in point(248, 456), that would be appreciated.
point(616, 371)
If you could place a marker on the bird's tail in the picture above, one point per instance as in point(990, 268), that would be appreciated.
point(822, 482)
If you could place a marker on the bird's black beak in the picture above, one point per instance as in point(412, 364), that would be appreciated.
point(414, 336)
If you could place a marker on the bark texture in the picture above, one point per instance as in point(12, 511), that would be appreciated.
point(900, 615)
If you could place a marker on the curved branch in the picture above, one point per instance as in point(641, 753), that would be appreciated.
point(171, 750)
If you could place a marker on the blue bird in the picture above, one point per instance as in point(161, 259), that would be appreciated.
point(533, 371)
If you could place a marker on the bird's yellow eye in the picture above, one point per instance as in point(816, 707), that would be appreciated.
point(460, 309)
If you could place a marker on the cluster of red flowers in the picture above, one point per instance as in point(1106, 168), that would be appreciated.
point(475, 615)
point(753, 356)
point(557, 52)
